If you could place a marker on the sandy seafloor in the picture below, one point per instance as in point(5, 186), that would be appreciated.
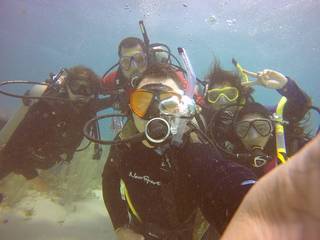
point(70, 207)
point(37, 217)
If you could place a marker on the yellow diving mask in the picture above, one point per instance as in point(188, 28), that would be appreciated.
point(229, 93)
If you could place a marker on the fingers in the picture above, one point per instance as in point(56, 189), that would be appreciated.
point(263, 78)
point(269, 78)
point(251, 74)
point(249, 84)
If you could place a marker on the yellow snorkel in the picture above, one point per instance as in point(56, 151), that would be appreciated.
point(279, 131)
point(242, 72)
point(244, 75)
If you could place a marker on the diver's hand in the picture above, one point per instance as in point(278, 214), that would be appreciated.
point(124, 233)
point(271, 79)
point(284, 204)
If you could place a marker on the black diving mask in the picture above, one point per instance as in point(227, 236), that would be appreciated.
point(81, 87)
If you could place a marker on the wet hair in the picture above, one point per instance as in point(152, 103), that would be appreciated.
point(253, 107)
point(131, 42)
point(218, 75)
point(163, 71)
point(80, 72)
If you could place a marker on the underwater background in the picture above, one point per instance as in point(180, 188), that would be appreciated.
point(41, 36)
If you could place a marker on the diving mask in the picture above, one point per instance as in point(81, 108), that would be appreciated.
point(139, 59)
point(145, 102)
point(163, 108)
point(229, 93)
point(262, 126)
point(81, 87)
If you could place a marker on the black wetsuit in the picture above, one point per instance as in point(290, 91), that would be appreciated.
point(50, 132)
point(298, 102)
point(198, 177)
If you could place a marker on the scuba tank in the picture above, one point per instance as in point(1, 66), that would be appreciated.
point(28, 99)
point(11, 125)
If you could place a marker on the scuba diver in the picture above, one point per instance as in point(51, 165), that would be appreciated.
point(227, 91)
point(255, 143)
point(153, 186)
point(135, 55)
point(133, 62)
point(48, 130)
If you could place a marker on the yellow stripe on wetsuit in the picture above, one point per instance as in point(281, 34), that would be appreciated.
point(124, 191)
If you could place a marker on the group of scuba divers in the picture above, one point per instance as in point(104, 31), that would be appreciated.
point(188, 151)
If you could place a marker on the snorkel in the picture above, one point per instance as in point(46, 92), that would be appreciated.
point(241, 71)
point(181, 123)
point(155, 48)
point(144, 34)
point(279, 130)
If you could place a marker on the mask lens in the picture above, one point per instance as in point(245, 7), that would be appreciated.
point(213, 95)
point(125, 62)
point(139, 59)
point(242, 128)
point(230, 93)
point(140, 101)
point(263, 127)
point(80, 88)
point(169, 103)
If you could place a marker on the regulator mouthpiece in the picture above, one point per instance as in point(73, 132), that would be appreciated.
point(157, 130)
point(259, 158)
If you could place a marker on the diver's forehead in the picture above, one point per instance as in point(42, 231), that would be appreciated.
point(169, 82)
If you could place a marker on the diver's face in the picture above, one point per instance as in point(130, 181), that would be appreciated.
point(221, 95)
point(80, 91)
point(133, 61)
point(254, 131)
point(167, 84)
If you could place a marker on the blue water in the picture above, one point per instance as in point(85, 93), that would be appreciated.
point(41, 36)
point(38, 37)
